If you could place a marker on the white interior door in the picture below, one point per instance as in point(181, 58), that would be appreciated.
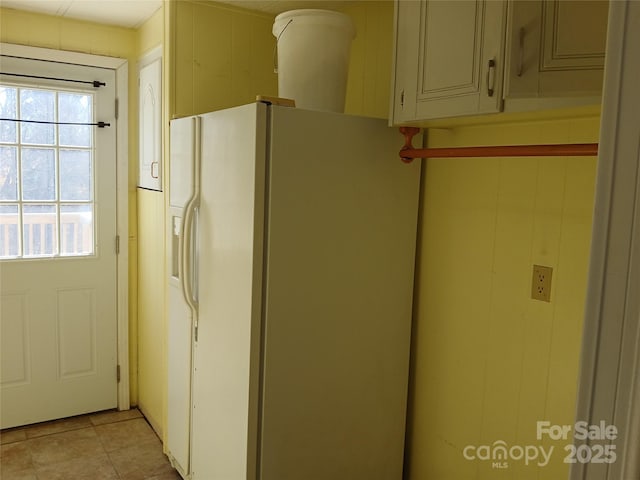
point(57, 241)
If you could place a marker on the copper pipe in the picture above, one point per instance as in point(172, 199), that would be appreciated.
point(408, 153)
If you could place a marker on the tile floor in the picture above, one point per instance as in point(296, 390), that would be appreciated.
point(101, 446)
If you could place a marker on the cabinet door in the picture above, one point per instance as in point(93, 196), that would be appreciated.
point(150, 126)
point(556, 48)
point(448, 58)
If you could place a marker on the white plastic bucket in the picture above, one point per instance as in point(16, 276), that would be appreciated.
point(313, 57)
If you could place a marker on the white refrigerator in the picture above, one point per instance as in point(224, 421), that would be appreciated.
point(292, 237)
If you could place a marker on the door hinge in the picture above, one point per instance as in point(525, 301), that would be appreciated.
point(117, 244)
point(195, 333)
point(402, 99)
point(118, 373)
point(117, 108)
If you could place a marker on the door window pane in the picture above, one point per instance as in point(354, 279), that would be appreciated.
point(8, 109)
point(8, 173)
point(75, 175)
point(75, 108)
point(38, 174)
point(37, 105)
point(39, 230)
point(76, 229)
point(46, 174)
point(9, 220)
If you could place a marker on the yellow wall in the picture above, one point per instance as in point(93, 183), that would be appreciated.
point(25, 28)
point(151, 317)
point(46, 31)
point(369, 80)
point(488, 361)
point(222, 57)
point(151, 33)
point(151, 357)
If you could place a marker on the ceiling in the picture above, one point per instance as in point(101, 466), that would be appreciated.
point(133, 13)
point(125, 13)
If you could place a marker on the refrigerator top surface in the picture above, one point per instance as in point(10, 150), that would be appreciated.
point(269, 105)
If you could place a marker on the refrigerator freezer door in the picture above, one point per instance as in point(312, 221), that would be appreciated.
point(341, 252)
point(226, 355)
point(180, 333)
point(181, 315)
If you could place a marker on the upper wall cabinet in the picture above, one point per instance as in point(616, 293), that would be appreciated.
point(555, 48)
point(455, 58)
point(448, 58)
point(150, 122)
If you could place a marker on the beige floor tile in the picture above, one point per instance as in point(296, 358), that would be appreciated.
point(64, 446)
point(15, 457)
point(141, 461)
point(115, 436)
point(166, 476)
point(112, 416)
point(75, 449)
point(96, 467)
point(29, 474)
point(57, 426)
point(11, 436)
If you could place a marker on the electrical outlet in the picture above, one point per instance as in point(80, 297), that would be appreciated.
point(541, 283)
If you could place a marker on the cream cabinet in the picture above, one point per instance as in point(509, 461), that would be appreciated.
point(448, 58)
point(150, 121)
point(469, 57)
point(555, 48)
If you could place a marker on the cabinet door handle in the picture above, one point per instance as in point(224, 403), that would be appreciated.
point(491, 77)
point(520, 52)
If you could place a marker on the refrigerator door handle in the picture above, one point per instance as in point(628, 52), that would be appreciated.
point(187, 260)
point(189, 235)
point(195, 256)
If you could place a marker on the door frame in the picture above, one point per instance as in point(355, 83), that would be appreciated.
point(121, 68)
point(609, 384)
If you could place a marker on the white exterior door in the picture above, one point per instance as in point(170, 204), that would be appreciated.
point(57, 241)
